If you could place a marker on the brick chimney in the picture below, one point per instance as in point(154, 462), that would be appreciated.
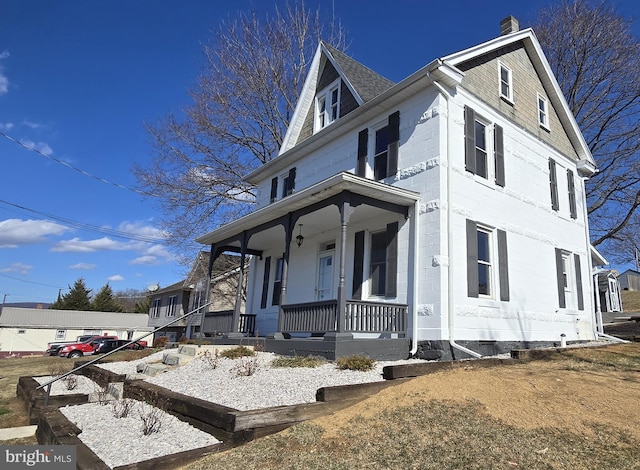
point(509, 25)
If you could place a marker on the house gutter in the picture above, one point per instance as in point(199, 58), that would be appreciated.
point(450, 312)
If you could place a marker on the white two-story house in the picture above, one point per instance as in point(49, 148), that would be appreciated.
point(443, 216)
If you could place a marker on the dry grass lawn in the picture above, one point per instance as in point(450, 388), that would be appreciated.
point(579, 410)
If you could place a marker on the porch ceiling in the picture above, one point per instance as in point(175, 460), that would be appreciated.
point(311, 195)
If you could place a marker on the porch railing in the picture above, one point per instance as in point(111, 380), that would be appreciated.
point(360, 317)
point(222, 322)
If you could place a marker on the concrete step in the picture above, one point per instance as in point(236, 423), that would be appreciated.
point(17, 432)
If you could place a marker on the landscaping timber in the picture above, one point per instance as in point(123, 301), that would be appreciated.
point(35, 399)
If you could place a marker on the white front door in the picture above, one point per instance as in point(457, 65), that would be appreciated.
point(324, 289)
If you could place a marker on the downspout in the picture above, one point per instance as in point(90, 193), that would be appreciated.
point(414, 293)
point(450, 312)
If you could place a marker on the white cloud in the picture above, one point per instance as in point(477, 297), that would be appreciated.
point(7, 126)
point(16, 232)
point(147, 259)
point(4, 81)
point(41, 147)
point(31, 124)
point(17, 268)
point(141, 228)
point(76, 245)
point(116, 277)
point(85, 266)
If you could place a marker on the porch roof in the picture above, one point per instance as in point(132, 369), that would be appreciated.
point(313, 194)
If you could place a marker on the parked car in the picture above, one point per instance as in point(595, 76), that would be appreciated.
point(53, 348)
point(106, 345)
point(84, 348)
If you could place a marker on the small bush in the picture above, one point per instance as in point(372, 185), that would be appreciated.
point(247, 367)
point(160, 341)
point(211, 360)
point(122, 408)
point(152, 419)
point(355, 362)
point(298, 361)
point(102, 394)
point(235, 353)
point(71, 381)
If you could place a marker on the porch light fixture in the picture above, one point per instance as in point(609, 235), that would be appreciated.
point(299, 238)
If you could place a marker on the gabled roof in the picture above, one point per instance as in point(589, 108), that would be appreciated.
point(542, 67)
point(373, 90)
point(71, 319)
point(364, 84)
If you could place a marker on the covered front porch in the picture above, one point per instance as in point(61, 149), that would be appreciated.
point(317, 285)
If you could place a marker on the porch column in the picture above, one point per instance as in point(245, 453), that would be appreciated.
point(238, 304)
point(288, 234)
point(345, 213)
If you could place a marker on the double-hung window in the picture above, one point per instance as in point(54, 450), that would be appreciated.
point(327, 105)
point(569, 280)
point(61, 334)
point(506, 82)
point(487, 262)
point(385, 144)
point(172, 305)
point(277, 282)
point(543, 112)
point(484, 147)
point(287, 184)
point(383, 263)
point(155, 309)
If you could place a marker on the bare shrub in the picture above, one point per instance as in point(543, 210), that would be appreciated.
point(152, 418)
point(211, 360)
point(102, 394)
point(122, 408)
point(246, 367)
point(71, 381)
point(355, 362)
point(235, 353)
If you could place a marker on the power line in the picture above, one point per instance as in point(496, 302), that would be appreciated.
point(30, 282)
point(79, 170)
point(94, 228)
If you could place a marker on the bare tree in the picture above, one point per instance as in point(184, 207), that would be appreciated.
point(242, 103)
point(596, 59)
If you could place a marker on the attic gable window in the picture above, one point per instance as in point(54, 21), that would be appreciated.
point(543, 113)
point(327, 105)
point(506, 82)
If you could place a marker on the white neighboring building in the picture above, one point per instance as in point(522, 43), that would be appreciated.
point(25, 331)
point(448, 209)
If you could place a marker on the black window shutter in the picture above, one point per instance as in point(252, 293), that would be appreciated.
point(274, 189)
point(503, 265)
point(560, 278)
point(472, 259)
point(469, 140)
point(394, 143)
point(358, 265)
point(265, 282)
point(363, 142)
point(391, 277)
point(553, 182)
point(499, 154)
point(579, 282)
point(572, 194)
point(291, 181)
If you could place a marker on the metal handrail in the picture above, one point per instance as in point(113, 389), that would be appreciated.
point(119, 348)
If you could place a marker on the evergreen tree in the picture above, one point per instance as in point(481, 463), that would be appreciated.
point(78, 298)
point(104, 301)
point(143, 306)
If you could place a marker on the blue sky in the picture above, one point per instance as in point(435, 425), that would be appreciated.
point(78, 81)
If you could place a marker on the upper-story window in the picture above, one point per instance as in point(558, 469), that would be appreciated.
point(327, 105)
point(543, 112)
point(286, 182)
point(484, 148)
point(506, 82)
point(155, 309)
point(171, 306)
point(385, 144)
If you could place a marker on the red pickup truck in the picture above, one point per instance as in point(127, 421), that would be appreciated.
point(96, 345)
